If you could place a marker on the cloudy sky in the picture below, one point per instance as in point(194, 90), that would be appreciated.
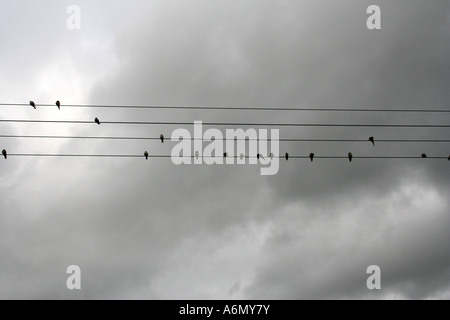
point(153, 230)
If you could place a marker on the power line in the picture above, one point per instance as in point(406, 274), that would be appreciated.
point(194, 139)
point(209, 157)
point(233, 108)
point(231, 124)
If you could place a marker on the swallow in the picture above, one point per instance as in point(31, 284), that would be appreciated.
point(271, 155)
point(5, 154)
point(196, 155)
point(311, 156)
point(350, 156)
point(371, 139)
point(162, 138)
point(33, 104)
point(146, 155)
point(287, 156)
point(58, 104)
point(448, 158)
point(424, 155)
point(97, 121)
point(257, 156)
point(225, 154)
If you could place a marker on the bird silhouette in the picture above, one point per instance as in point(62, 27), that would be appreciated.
point(241, 156)
point(97, 121)
point(448, 158)
point(311, 156)
point(225, 154)
point(271, 155)
point(196, 155)
point(350, 156)
point(371, 139)
point(33, 104)
point(257, 156)
point(146, 155)
point(58, 104)
point(424, 155)
point(287, 156)
point(5, 154)
point(162, 138)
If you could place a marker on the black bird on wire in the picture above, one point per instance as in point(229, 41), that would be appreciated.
point(311, 156)
point(424, 155)
point(5, 154)
point(225, 154)
point(371, 139)
point(257, 156)
point(287, 156)
point(146, 155)
point(97, 121)
point(350, 156)
point(33, 104)
point(58, 104)
point(162, 138)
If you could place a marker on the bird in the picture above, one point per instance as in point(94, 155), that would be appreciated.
point(424, 155)
point(225, 154)
point(271, 155)
point(33, 104)
point(5, 154)
point(146, 155)
point(311, 156)
point(196, 155)
point(97, 121)
point(162, 138)
point(371, 139)
point(350, 156)
point(287, 156)
point(257, 156)
point(449, 158)
point(58, 104)
point(241, 156)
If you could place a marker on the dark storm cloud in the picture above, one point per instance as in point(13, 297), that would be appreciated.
point(149, 229)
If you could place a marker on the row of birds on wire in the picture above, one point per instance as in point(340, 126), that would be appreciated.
point(225, 154)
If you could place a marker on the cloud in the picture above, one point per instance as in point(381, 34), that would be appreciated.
point(149, 229)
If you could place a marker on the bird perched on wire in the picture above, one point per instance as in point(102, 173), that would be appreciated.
point(5, 154)
point(371, 139)
point(33, 104)
point(146, 155)
point(350, 156)
point(271, 155)
point(241, 156)
point(197, 155)
point(97, 121)
point(424, 155)
point(225, 154)
point(449, 158)
point(58, 104)
point(311, 156)
point(258, 156)
point(287, 156)
point(162, 138)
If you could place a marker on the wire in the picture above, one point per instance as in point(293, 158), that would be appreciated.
point(235, 124)
point(169, 156)
point(232, 108)
point(194, 139)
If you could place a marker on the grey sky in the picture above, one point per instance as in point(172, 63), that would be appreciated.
point(150, 229)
